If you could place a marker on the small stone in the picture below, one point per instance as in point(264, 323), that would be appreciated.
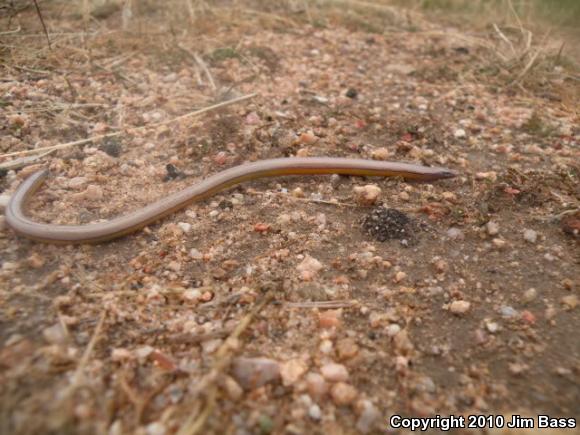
point(36, 261)
point(351, 93)
point(334, 372)
point(568, 284)
point(77, 182)
point(381, 153)
point(455, 234)
point(530, 294)
point(459, 307)
point(252, 118)
point(252, 373)
point(346, 348)
point(307, 138)
point(191, 295)
point(291, 371)
point(440, 265)
point(298, 193)
point(343, 394)
point(499, 243)
point(120, 354)
point(155, 428)
point(491, 176)
point(530, 236)
point(326, 346)
point(492, 327)
point(367, 195)
point(368, 417)
point(399, 276)
point(392, 329)
point(314, 412)
point(508, 312)
point(185, 226)
point(143, 352)
point(492, 228)
point(316, 385)
point(309, 265)
point(329, 318)
point(195, 254)
point(55, 334)
point(570, 301)
point(459, 133)
point(4, 199)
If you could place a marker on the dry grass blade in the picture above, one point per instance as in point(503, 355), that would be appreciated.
point(223, 358)
point(42, 22)
point(23, 161)
point(118, 133)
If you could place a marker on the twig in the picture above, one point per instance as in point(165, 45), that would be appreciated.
point(42, 21)
point(118, 133)
point(321, 304)
point(205, 69)
point(9, 32)
point(504, 38)
point(19, 163)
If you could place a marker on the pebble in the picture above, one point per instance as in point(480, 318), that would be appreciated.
point(491, 176)
point(399, 276)
point(459, 133)
point(309, 267)
point(325, 346)
point(343, 394)
point(156, 428)
point(571, 301)
point(253, 118)
point(381, 153)
point(346, 348)
point(392, 329)
point(291, 371)
point(316, 385)
point(91, 193)
point(195, 254)
point(4, 201)
point(120, 354)
point(143, 352)
point(314, 412)
point(368, 417)
point(55, 334)
point(455, 234)
point(367, 195)
point(492, 228)
point(508, 312)
point(329, 318)
point(334, 372)
point(307, 138)
point(252, 373)
point(77, 182)
point(499, 243)
point(530, 236)
point(185, 226)
point(530, 294)
point(36, 261)
point(459, 307)
point(191, 295)
point(492, 327)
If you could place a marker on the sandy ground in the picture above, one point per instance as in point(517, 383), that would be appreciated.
point(276, 307)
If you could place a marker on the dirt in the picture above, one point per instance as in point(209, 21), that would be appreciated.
point(338, 331)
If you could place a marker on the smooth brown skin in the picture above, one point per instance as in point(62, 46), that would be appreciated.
point(133, 221)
